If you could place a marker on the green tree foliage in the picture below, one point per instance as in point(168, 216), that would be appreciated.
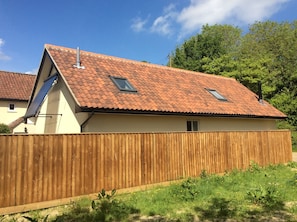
point(266, 53)
point(214, 42)
point(277, 43)
point(4, 128)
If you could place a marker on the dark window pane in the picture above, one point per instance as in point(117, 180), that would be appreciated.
point(11, 106)
point(189, 126)
point(195, 126)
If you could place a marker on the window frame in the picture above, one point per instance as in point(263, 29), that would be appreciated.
point(9, 108)
point(217, 95)
point(130, 88)
point(192, 125)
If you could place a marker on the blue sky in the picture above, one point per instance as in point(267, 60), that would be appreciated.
point(140, 30)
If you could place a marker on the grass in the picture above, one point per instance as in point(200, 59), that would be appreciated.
point(257, 194)
point(251, 194)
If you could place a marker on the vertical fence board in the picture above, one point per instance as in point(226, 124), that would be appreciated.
point(19, 159)
point(35, 168)
point(64, 166)
point(3, 151)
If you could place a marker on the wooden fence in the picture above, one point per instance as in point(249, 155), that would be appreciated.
point(37, 168)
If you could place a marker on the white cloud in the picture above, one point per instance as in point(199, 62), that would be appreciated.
point(138, 24)
point(197, 13)
point(3, 56)
point(201, 12)
point(164, 24)
point(33, 71)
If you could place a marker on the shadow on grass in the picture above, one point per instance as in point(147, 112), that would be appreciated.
point(221, 209)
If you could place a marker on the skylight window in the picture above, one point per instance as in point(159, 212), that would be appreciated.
point(123, 84)
point(216, 94)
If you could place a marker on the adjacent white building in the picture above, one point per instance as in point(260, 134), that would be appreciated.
point(15, 91)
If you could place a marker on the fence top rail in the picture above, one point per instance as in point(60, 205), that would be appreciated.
point(142, 133)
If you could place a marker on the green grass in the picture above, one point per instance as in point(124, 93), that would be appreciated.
point(238, 195)
point(257, 194)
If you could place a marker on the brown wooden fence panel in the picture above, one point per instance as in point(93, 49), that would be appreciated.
point(37, 168)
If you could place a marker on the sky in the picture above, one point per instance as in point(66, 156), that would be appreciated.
point(147, 30)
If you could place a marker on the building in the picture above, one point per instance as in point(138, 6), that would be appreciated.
point(15, 90)
point(78, 91)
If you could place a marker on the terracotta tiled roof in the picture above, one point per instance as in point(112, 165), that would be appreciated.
point(160, 89)
point(16, 86)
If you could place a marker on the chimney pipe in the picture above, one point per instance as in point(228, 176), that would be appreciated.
point(78, 63)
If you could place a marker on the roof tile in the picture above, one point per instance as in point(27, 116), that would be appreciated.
point(16, 86)
point(159, 88)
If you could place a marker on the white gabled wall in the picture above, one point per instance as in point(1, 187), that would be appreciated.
point(57, 114)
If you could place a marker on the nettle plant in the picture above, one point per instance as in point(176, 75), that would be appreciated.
point(107, 208)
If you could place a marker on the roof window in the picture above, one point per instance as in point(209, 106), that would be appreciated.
point(123, 84)
point(216, 94)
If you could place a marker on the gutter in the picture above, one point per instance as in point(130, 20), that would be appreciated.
point(82, 126)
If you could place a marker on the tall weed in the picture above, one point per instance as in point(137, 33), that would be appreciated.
point(269, 196)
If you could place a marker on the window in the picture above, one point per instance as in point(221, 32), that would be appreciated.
point(216, 94)
point(192, 125)
point(11, 107)
point(123, 84)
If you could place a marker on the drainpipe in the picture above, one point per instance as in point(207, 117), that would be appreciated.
point(82, 126)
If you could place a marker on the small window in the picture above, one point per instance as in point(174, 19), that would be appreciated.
point(11, 107)
point(123, 84)
point(192, 125)
point(216, 94)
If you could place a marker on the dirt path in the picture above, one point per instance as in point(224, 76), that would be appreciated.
point(294, 155)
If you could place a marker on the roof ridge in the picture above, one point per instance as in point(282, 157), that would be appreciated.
point(134, 61)
point(17, 73)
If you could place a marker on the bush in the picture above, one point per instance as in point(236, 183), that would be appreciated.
point(4, 128)
point(188, 190)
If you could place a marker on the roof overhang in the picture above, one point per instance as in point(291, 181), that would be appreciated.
point(14, 100)
point(145, 112)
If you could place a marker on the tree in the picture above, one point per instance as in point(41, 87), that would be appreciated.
point(214, 42)
point(276, 45)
